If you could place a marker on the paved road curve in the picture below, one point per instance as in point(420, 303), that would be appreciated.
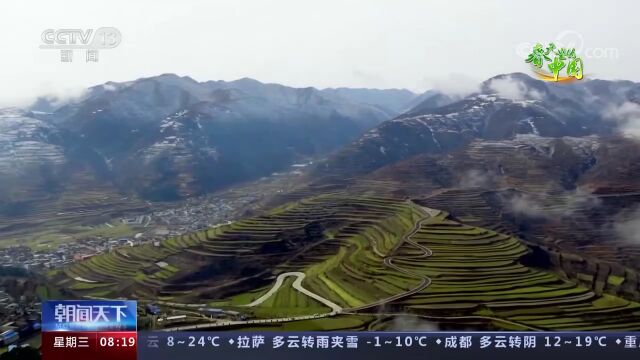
point(297, 284)
point(336, 309)
point(425, 281)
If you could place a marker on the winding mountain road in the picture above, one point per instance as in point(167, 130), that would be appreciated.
point(297, 284)
point(335, 308)
point(388, 261)
point(425, 281)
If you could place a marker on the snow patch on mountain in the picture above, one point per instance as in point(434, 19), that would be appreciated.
point(24, 143)
point(531, 124)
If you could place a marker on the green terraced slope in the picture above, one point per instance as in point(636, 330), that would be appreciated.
point(477, 272)
point(373, 257)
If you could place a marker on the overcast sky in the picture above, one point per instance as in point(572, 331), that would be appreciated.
point(415, 44)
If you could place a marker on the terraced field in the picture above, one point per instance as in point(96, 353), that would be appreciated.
point(374, 257)
point(477, 273)
point(289, 302)
point(39, 220)
point(327, 230)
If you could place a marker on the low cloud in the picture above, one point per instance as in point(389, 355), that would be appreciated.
point(513, 89)
point(577, 200)
point(412, 323)
point(457, 85)
point(627, 118)
point(567, 205)
point(627, 226)
point(476, 179)
point(56, 97)
point(109, 87)
point(525, 205)
point(62, 98)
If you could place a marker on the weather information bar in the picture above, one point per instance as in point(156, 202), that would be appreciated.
point(96, 330)
point(386, 345)
point(100, 330)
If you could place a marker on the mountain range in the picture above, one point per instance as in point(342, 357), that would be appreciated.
point(169, 137)
point(505, 106)
point(517, 202)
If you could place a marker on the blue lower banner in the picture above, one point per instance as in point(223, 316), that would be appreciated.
point(83, 329)
point(89, 315)
point(386, 345)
